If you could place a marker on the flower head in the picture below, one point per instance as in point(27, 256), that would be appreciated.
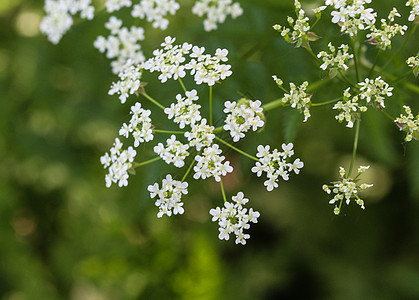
point(169, 196)
point(234, 218)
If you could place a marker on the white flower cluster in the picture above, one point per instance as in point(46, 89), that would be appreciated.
point(129, 82)
point(206, 68)
point(201, 135)
point(155, 11)
point(115, 5)
point(335, 60)
point(216, 11)
point(210, 164)
point(169, 196)
point(382, 37)
point(234, 218)
point(242, 116)
point(374, 90)
point(352, 16)
point(413, 62)
point(414, 4)
point(119, 162)
point(139, 126)
point(275, 164)
point(175, 152)
point(408, 123)
point(300, 27)
point(58, 19)
point(121, 45)
point(185, 111)
point(299, 99)
point(349, 108)
point(346, 189)
point(169, 61)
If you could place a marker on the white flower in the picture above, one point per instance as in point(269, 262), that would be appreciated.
point(335, 60)
point(382, 37)
point(275, 164)
point(169, 196)
point(169, 60)
point(216, 11)
point(414, 4)
point(374, 90)
point(201, 135)
point(299, 99)
point(118, 163)
point(175, 152)
point(122, 45)
point(346, 189)
point(206, 68)
point(242, 116)
point(210, 164)
point(155, 11)
point(408, 123)
point(129, 82)
point(234, 218)
point(58, 19)
point(349, 109)
point(114, 5)
point(185, 112)
point(352, 16)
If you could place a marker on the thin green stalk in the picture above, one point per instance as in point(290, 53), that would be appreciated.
point(237, 149)
point(402, 76)
point(152, 100)
point(387, 115)
point(210, 101)
point(188, 171)
point(168, 131)
point(273, 104)
point(346, 79)
point(374, 64)
point(326, 102)
point(181, 83)
point(358, 121)
point(401, 47)
point(314, 55)
point(358, 78)
point(222, 191)
point(135, 164)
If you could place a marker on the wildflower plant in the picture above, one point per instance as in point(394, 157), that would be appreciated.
point(197, 144)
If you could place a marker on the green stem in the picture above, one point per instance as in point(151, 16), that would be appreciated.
point(387, 115)
point(210, 101)
point(358, 121)
point(135, 164)
point(314, 55)
point(218, 129)
point(374, 64)
point(237, 149)
point(346, 79)
point(315, 85)
point(168, 131)
point(152, 100)
point(402, 76)
point(188, 171)
point(358, 78)
point(181, 83)
point(326, 102)
point(401, 47)
point(273, 104)
point(222, 191)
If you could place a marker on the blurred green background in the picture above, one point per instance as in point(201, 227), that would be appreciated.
point(64, 235)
